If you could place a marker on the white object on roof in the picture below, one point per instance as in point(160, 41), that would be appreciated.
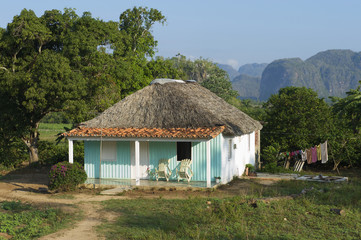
point(166, 80)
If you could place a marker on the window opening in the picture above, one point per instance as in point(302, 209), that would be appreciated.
point(184, 150)
point(109, 152)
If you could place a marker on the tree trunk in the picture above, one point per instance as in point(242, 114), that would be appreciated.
point(32, 143)
point(34, 154)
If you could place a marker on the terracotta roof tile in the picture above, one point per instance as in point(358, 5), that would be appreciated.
point(191, 133)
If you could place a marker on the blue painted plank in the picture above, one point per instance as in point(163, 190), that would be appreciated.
point(160, 150)
point(91, 158)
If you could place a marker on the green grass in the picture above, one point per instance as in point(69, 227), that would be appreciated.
point(307, 217)
point(48, 131)
point(23, 221)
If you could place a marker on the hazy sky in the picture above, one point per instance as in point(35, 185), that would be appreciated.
point(235, 32)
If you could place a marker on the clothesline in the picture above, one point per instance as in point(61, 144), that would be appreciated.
point(311, 155)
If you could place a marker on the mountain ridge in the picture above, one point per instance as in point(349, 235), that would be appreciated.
point(330, 73)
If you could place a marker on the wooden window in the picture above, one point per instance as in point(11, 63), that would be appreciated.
point(184, 150)
point(109, 151)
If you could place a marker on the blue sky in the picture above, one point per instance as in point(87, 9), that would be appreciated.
point(234, 32)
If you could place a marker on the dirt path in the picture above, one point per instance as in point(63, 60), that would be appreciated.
point(32, 188)
point(85, 228)
point(88, 204)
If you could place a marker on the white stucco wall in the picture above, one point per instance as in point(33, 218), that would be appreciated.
point(243, 152)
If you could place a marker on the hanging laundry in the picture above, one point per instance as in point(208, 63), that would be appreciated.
point(324, 154)
point(318, 152)
point(309, 155)
point(303, 155)
point(314, 154)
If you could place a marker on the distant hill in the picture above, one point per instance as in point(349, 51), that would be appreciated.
point(232, 73)
point(247, 86)
point(246, 80)
point(253, 69)
point(330, 73)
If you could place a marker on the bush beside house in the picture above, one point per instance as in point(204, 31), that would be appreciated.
point(65, 176)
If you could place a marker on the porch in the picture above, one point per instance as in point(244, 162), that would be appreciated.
point(146, 183)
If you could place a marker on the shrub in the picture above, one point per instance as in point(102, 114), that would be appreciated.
point(65, 176)
point(12, 153)
point(250, 167)
point(51, 153)
point(270, 153)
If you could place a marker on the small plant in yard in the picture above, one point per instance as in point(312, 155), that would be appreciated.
point(23, 221)
point(65, 176)
point(250, 167)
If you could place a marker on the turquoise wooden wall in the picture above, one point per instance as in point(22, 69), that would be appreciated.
point(110, 169)
point(199, 159)
point(91, 158)
point(167, 150)
point(121, 168)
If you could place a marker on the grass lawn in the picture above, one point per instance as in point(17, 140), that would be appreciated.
point(23, 221)
point(48, 131)
point(307, 217)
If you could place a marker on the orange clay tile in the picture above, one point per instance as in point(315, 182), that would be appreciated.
point(191, 133)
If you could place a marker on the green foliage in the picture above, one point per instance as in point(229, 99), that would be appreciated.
point(51, 131)
point(296, 119)
point(252, 108)
point(270, 157)
point(270, 153)
point(163, 68)
point(250, 167)
point(206, 73)
point(15, 206)
point(77, 65)
point(349, 108)
point(55, 117)
point(22, 221)
point(220, 85)
point(137, 24)
point(65, 176)
point(12, 152)
point(51, 153)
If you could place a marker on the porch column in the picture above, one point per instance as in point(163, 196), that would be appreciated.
point(208, 154)
point(136, 156)
point(71, 151)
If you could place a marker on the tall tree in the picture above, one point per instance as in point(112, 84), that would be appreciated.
point(296, 119)
point(350, 108)
point(63, 62)
point(206, 73)
point(137, 23)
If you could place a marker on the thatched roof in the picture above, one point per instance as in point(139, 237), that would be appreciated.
point(174, 105)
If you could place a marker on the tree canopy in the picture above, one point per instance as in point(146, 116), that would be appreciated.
point(63, 62)
point(296, 119)
point(350, 108)
point(206, 73)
